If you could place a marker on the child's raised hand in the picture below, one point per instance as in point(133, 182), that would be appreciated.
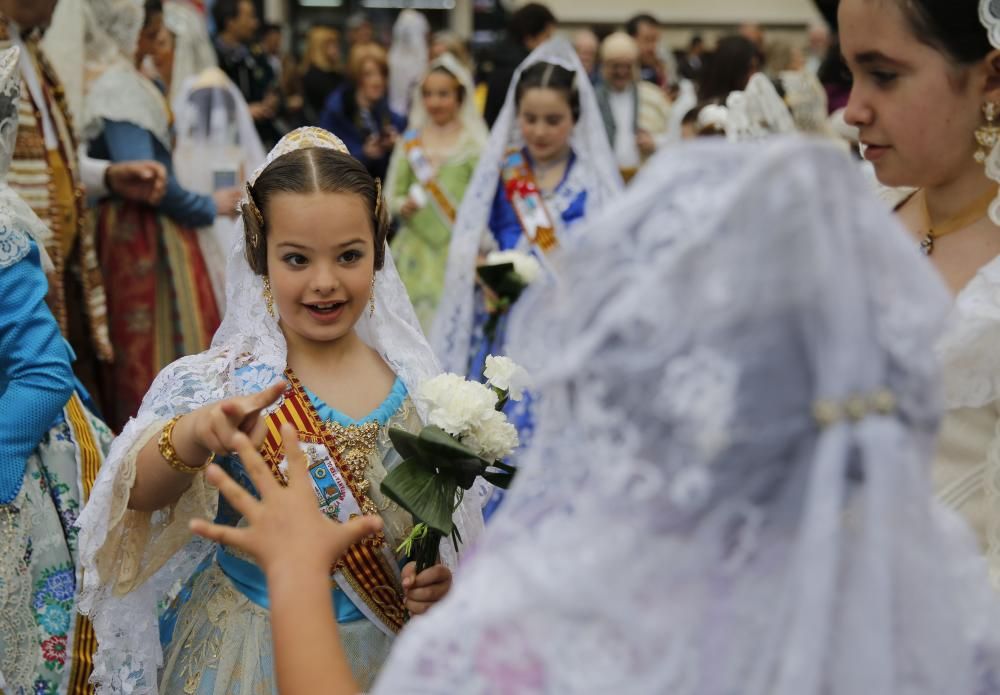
point(287, 531)
point(216, 425)
point(425, 589)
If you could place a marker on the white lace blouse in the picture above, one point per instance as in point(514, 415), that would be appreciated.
point(967, 465)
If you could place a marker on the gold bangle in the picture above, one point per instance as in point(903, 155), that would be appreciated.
point(169, 453)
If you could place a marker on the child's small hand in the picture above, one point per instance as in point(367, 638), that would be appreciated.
point(216, 425)
point(287, 531)
point(425, 589)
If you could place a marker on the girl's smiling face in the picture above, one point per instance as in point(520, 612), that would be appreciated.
point(321, 262)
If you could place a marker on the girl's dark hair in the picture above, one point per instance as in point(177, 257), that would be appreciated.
point(311, 170)
point(549, 76)
point(150, 9)
point(727, 69)
point(950, 26)
point(459, 87)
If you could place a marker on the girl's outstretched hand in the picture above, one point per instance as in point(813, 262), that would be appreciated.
point(287, 532)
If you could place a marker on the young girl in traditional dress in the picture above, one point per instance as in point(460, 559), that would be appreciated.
point(428, 176)
point(926, 99)
point(547, 165)
point(318, 332)
point(50, 449)
point(160, 300)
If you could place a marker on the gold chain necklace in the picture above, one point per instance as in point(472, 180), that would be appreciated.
point(974, 212)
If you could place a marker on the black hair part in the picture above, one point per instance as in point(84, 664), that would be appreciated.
point(549, 76)
point(223, 11)
point(728, 68)
point(150, 9)
point(311, 170)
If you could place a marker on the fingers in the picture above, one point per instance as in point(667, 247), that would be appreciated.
point(428, 587)
point(255, 467)
point(360, 528)
point(241, 500)
point(297, 463)
point(408, 574)
point(268, 396)
point(239, 538)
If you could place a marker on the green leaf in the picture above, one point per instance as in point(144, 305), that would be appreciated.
point(434, 442)
point(501, 480)
point(428, 496)
point(405, 443)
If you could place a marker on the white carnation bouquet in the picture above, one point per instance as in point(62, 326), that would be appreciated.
point(466, 436)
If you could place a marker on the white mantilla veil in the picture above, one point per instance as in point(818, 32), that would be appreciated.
point(453, 323)
point(729, 487)
point(123, 589)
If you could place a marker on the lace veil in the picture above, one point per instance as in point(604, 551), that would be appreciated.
point(407, 58)
point(453, 323)
point(18, 222)
point(126, 623)
point(193, 50)
point(989, 14)
point(683, 523)
point(115, 89)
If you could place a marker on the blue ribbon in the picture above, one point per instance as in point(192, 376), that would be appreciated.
point(250, 581)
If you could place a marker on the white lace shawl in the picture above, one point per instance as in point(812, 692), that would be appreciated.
point(116, 90)
point(968, 353)
point(18, 222)
point(681, 524)
point(594, 158)
point(132, 561)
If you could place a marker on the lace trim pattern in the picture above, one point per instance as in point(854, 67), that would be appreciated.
point(18, 633)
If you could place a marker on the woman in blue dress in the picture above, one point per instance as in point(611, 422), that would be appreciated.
point(546, 167)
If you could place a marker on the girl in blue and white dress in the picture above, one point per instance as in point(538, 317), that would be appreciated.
point(547, 165)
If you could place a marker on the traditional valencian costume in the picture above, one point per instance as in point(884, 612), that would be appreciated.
point(216, 633)
point(505, 199)
point(51, 447)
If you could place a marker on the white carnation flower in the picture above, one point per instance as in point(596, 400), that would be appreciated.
point(525, 265)
point(493, 438)
point(505, 374)
point(454, 404)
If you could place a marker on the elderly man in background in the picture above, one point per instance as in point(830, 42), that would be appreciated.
point(636, 113)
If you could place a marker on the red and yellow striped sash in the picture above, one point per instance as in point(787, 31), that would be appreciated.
point(365, 566)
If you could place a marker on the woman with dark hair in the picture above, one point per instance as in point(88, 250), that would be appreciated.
point(926, 100)
point(727, 69)
point(358, 112)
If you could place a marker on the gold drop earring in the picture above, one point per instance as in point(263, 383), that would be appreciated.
point(371, 300)
point(987, 136)
point(268, 297)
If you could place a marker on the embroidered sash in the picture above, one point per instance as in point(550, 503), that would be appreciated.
point(524, 195)
point(368, 573)
point(424, 171)
point(90, 457)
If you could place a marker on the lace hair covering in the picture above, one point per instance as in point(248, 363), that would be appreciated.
point(595, 160)
point(407, 58)
point(18, 222)
point(989, 15)
point(116, 90)
point(125, 623)
point(681, 523)
point(193, 50)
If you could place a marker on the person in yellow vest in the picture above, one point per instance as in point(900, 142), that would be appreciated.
point(50, 174)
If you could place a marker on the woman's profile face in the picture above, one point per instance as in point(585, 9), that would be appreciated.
point(916, 109)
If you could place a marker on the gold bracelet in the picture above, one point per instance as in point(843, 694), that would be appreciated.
point(169, 453)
